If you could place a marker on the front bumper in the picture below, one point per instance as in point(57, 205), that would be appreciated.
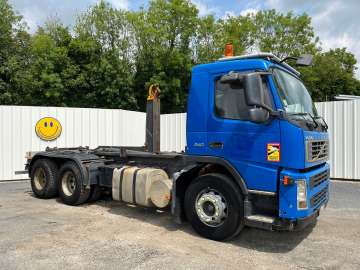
point(317, 194)
point(302, 223)
point(296, 225)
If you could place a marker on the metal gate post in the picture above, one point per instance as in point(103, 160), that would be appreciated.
point(153, 120)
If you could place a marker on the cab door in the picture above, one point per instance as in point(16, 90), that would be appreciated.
point(253, 149)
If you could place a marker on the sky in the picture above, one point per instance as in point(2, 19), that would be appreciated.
point(336, 22)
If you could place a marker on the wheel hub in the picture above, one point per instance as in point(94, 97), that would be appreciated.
point(211, 208)
point(68, 183)
point(39, 179)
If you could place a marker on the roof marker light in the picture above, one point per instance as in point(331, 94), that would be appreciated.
point(229, 50)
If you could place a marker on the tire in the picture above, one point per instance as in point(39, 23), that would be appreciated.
point(44, 181)
point(71, 190)
point(229, 204)
point(95, 193)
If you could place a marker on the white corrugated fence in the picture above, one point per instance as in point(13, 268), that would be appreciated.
point(94, 127)
point(80, 127)
point(343, 119)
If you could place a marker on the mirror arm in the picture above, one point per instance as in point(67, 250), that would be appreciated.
point(275, 114)
point(278, 114)
point(289, 58)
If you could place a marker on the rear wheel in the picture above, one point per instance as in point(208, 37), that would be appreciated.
point(214, 206)
point(44, 178)
point(70, 185)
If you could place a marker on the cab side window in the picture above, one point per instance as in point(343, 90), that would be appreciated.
point(230, 100)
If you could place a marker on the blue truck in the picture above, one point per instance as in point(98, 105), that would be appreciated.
point(256, 155)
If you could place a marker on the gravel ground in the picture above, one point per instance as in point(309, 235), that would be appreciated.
point(45, 234)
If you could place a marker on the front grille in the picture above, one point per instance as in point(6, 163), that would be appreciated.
point(317, 150)
point(319, 178)
point(318, 197)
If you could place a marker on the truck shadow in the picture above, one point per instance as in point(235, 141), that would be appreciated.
point(271, 241)
point(249, 238)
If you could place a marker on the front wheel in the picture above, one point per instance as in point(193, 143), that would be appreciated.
point(214, 206)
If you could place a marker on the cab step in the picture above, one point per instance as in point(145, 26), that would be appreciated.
point(260, 221)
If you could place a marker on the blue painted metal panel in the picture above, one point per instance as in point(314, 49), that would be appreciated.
point(196, 129)
point(244, 142)
point(226, 66)
point(288, 194)
point(244, 145)
point(198, 103)
point(292, 146)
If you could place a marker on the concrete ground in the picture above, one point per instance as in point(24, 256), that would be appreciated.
point(45, 234)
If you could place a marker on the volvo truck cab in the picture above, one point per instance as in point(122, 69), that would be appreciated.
point(254, 112)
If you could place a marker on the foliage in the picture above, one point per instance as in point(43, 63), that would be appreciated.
point(14, 54)
point(284, 34)
point(163, 35)
point(109, 72)
point(110, 57)
point(206, 42)
point(332, 74)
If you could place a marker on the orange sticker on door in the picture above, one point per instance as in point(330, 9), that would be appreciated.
point(273, 152)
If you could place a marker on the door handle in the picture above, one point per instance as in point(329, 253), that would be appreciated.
point(216, 145)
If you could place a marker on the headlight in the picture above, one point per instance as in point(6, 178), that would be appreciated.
point(301, 195)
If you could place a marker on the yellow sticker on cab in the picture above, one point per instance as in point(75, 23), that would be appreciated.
point(273, 152)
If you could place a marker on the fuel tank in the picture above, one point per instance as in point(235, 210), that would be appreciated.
point(148, 187)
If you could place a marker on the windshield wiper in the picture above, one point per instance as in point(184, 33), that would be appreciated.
point(325, 125)
point(308, 114)
point(314, 118)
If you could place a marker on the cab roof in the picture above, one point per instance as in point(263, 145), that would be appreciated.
point(254, 60)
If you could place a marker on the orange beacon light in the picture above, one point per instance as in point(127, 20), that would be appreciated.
point(229, 50)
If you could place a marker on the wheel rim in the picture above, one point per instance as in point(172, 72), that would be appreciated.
point(211, 207)
point(39, 179)
point(68, 183)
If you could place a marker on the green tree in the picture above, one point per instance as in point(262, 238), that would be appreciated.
point(206, 41)
point(332, 74)
point(284, 34)
point(238, 30)
point(110, 73)
point(163, 37)
point(212, 36)
point(51, 71)
point(14, 50)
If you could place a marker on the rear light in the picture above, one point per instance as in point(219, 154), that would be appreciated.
point(301, 194)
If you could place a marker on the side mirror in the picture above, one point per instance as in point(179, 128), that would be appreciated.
point(304, 60)
point(255, 97)
point(254, 91)
point(259, 115)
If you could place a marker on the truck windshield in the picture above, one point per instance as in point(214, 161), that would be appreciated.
point(293, 93)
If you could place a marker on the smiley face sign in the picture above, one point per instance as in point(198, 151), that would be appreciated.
point(48, 129)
